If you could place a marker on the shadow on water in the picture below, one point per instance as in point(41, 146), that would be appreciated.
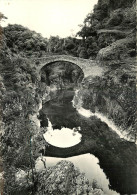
point(117, 157)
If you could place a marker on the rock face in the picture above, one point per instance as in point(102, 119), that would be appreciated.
point(118, 50)
point(113, 99)
point(65, 179)
point(113, 94)
point(113, 41)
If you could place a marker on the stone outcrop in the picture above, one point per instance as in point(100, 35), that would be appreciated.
point(113, 93)
point(118, 50)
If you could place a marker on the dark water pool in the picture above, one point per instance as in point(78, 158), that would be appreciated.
point(117, 157)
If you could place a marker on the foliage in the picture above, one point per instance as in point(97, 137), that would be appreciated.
point(19, 100)
point(119, 50)
point(83, 54)
point(114, 95)
point(21, 90)
point(22, 40)
point(27, 43)
point(107, 14)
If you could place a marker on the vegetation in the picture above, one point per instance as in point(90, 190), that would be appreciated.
point(26, 43)
point(107, 35)
point(114, 95)
point(20, 101)
point(107, 23)
point(114, 42)
point(22, 41)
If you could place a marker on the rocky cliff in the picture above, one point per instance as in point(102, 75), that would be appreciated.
point(112, 27)
point(109, 37)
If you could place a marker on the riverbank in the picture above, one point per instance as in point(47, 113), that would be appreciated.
point(77, 103)
point(106, 101)
point(97, 139)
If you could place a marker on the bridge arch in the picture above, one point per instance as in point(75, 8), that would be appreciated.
point(89, 67)
point(61, 71)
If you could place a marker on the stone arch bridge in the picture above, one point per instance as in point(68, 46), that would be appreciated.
point(89, 67)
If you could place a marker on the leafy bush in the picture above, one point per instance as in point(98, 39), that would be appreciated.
point(83, 54)
point(20, 39)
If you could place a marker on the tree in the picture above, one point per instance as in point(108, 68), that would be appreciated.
point(83, 54)
point(2, 16)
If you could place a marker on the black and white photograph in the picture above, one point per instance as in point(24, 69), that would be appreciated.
point(68, 120)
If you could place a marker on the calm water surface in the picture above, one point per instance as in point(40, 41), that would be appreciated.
point(117, 157)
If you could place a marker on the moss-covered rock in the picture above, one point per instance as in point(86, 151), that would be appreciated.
point(118, 50)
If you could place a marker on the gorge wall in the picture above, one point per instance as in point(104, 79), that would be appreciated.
point(109, 38)
point(112, 27)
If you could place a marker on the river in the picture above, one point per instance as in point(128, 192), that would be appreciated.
point(71, 135)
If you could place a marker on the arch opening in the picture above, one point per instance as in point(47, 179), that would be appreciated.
point(61, 74)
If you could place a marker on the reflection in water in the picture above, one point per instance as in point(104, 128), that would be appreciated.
point(88, 164)
point(88, 114)
point(117, 157)
point(62, 138)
